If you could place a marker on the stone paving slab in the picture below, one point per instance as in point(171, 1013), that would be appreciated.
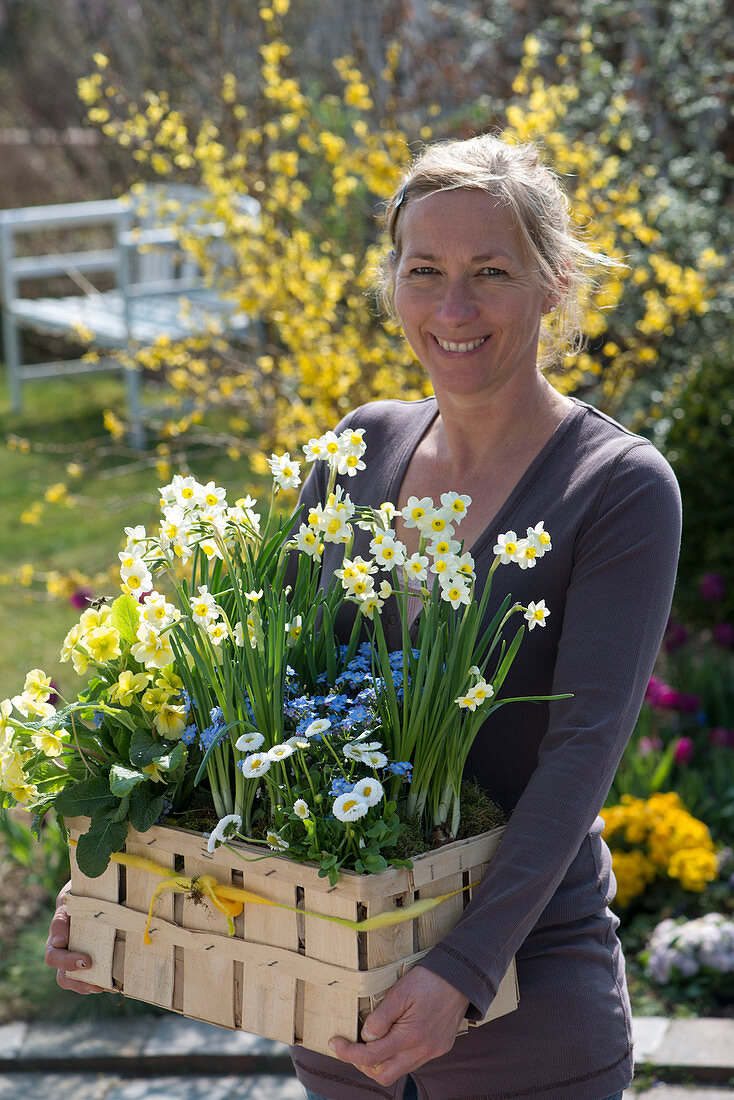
point(172, 1035)
point(54, 1086)
point(89, 1086)
point(680, 1092)
point(12, 1037)
point(87, 1039)
point(262, 1087)
point(648, 1033)
point(704, 1043)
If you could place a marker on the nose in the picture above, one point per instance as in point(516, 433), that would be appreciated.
point(457, 306)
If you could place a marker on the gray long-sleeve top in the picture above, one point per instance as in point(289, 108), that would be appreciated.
point(612, 507)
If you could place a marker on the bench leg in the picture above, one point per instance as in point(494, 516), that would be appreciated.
point(11, 350)
point(132, 386)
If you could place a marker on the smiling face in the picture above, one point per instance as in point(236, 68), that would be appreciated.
point(469, 299)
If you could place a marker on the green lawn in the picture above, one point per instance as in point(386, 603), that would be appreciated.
point(63, 421)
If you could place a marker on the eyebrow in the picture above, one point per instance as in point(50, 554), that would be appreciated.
point(483, 257)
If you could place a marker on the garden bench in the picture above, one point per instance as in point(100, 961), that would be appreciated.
point(147, 268)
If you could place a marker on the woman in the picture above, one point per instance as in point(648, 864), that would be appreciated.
point(485, 271)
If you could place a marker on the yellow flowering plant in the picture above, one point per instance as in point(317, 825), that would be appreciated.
point(656, 840)
point(235, 694)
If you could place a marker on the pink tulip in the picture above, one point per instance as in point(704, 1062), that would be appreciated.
point(684, 750)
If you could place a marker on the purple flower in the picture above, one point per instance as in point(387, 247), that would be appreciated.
point(684, 750)
point(712, 587)
point(724, 635)
point(676, 636)
point(81, 598)
point(720, 735)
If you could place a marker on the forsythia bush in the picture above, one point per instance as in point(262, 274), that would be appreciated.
point(655, 837)
point(319, 166)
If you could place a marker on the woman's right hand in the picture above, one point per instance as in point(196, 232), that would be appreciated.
point(56, 954)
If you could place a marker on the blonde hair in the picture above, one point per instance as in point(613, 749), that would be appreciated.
point(515, 174)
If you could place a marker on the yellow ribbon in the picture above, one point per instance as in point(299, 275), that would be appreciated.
point(229, 900)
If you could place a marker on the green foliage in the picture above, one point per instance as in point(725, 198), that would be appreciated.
point(699, 443)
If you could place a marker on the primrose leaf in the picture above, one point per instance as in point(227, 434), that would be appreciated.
point(95, 847)
point(123, 780)
point(125, 616)
point(144, 749)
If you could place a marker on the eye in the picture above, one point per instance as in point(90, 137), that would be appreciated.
point(423, 270)
point(492, 272)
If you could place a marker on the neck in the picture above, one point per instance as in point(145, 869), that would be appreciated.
point(470, 434)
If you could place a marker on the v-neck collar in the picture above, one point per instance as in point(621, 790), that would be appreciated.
point(426, 416)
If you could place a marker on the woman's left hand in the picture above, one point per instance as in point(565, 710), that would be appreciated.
point(417, 1021)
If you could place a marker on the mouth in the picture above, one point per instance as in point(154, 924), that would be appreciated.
point(460, 346)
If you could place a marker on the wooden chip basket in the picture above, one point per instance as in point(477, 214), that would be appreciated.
point(283, 975)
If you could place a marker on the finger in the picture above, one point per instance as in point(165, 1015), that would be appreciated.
point(385, 1071)
point(63, 980)
point(61, 896)
point(365, 1054)
point(58, 930)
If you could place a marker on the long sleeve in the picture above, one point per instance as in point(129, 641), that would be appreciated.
point(617, 600)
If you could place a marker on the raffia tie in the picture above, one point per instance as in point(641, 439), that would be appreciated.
point(230, 900)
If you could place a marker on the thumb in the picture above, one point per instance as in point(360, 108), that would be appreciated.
point(378, 1023)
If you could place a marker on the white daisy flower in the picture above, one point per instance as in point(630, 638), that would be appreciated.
point(349, 807)
point(370, 790)
point(280, 752)
point(300, 809)
point(319, 725)
point(256, 764)
point(224, 828)
point(249, 742)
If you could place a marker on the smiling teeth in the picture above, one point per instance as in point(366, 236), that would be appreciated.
point(470, 345)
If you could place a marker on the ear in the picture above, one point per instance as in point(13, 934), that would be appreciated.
point(556, 293)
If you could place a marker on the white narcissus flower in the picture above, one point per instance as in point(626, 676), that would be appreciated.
point(286, 472)
point(300, 809)
point(256, 764)
point(456, 592)
point(389, 552)
point(370, 604)
point(225, 827)
point(204, 607)
point(217, 632)
point(308, 541)
point(456, 504)
point(136, 576)
point(249, 742)
point(416, 510)
point(370, 790)
point(349, 807)
point(349, 465)
point(506, 547)
point(536, 614)
point(526, 554)
point(540, 538)
point(294, 629)
point(314, 450)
